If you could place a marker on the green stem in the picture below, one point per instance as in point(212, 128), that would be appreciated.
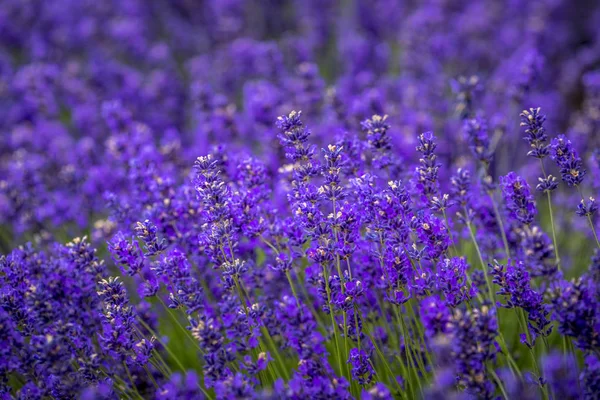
point(171, 354)
point(135, 390)
point(556, 255)
point(551, 219)
point(276, 353)
point(407, 349)
point(483, 265)
point(500, 224)
point(335, 334)
point(489, 285)
point(383, 359)
point(511, 362)
point(178, 323)
point(420, 332)
point(449, 231)
point(342, 284)
point(416, 357)
point(498, 383)
point(523, 321)
point(289, 278)
point(356, 325)
point(151, 377)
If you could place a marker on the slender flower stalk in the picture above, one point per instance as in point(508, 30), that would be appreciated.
point(535, 135)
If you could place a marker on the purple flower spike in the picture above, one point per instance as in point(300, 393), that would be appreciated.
point(535, 133)
point(518, 198)
point(362, 371)
point(568, 161)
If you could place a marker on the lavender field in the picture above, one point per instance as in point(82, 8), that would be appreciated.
point(299, 199)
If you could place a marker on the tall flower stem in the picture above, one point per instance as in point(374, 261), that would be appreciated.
point(409, 353)
point(287, 273)
point(291, 282)
point(498, 383)
point(342, 284)
point(513, 365)
point(135, 389)
point(551, 218)
point(523, 322)
point(420, 332)
point(383, 359)
point(176, 320)
point(447, 222)
point(167, 349)
point(483, 265)
point(500, 224)
point(333, 324)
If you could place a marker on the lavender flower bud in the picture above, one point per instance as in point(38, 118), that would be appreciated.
point(535, 133)
point(567, 159)
point(518, 198)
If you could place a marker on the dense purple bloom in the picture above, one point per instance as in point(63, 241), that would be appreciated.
point(362, 371)
point(587, 208)
point(518, 198)
point(465, 89)
point(461, 186)
point(560, 372)
point(535, 132)
point(346, 300)
point(436, 316)
point(568, 161)
point(537, 252)
point(378, 391)
point(476, 134)
point(186, 291)
point(234, 387)
point(294, 136)
point(210, 187)
point(591, 376)
point(575, 307)
point(452, 281)
point(432, 232)
point(515, 285)
point(547, 184)
point(332, 189)
point(56, 330)
point(118, 327)
point(473, 345)
point(126, 254)
point(378, 138)
point(146, 231)
point(180, 387)
point(426, 174)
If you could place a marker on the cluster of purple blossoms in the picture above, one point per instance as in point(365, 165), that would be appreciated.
point(535, 132)
point(570, 164)
point(518, 198)
point(515, 284)
point(476, 133)
point(171, 229)
point(474, 345)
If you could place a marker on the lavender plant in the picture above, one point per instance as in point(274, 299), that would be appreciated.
point(290, 200)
